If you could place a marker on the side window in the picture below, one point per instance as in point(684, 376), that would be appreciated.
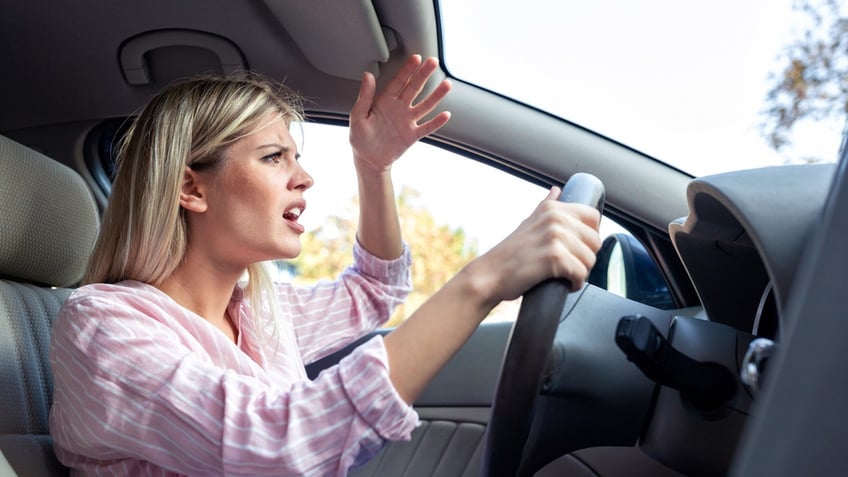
point(452, 209)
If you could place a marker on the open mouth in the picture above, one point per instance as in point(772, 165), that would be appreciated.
point(293, 214)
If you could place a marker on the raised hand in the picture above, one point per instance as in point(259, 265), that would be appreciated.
point(382, 129)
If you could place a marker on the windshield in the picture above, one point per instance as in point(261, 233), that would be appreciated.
point(683, 82)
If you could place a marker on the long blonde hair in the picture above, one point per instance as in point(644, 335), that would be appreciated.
point(144, 232)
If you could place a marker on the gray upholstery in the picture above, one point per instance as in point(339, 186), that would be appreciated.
point(437, 448)
point(49, 223)
point(49, 218)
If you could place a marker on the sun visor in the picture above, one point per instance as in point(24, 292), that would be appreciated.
point(343, 39)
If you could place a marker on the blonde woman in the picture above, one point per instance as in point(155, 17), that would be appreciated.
point(166, 364)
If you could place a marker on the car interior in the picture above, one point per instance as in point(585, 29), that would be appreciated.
point(732, 369)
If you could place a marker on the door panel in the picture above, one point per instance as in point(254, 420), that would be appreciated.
point(454, 410)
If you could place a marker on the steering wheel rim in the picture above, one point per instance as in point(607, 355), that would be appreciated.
point(522, 374)
point(528, 352)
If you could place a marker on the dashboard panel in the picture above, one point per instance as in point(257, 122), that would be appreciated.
point(743, 237)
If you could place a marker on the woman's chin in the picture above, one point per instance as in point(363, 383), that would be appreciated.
point(290, 251)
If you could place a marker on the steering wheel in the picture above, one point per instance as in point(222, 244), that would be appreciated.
point(528, 352)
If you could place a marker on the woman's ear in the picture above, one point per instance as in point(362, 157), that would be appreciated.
point(193, 192)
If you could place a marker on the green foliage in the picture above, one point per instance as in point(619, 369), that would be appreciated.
point(814, 81)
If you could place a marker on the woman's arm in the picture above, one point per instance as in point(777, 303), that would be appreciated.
point(557, 240)
point(331, 314)
point(381, 130)
point(139, 381)
point(382, 127)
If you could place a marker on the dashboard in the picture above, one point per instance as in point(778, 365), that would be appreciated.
point(743, 237)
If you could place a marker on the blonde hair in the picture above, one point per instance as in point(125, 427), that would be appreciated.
point(144, 232)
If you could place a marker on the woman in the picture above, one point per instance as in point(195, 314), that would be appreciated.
point(165, 363)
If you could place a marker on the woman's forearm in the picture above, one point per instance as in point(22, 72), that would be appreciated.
point(379, 226)
point(423, 343)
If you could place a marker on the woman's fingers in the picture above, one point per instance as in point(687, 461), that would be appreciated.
point(433, 125)
point(365, 98)
point(429, 103)
point(567, 239)
point(400, 82)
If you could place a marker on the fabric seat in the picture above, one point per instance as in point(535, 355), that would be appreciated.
point(48, 224)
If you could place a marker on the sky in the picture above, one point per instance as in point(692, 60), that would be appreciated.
point(682, 81)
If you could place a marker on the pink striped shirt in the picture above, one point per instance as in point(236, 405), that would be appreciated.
point(144, 386)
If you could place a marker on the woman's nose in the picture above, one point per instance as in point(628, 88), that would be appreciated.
point(301, 179)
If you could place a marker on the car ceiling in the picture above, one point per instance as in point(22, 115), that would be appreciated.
point(64, 74)
point(73, 58)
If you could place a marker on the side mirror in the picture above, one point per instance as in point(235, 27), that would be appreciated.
point(625, 268)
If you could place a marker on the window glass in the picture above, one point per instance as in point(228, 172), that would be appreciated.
point(444, 220)
point(446, 216)
point(685, 82)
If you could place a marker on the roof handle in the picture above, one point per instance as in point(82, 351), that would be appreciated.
point(133, 51)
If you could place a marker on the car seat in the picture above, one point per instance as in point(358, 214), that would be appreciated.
point(49, 224)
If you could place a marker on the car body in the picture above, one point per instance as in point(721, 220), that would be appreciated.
point(733, 257)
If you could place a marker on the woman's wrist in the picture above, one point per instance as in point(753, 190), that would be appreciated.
point(479, 284)
point(371, 168)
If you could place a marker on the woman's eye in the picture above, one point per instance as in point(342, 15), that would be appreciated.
point(274, 157)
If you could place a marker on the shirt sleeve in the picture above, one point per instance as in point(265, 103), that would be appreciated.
point(129, 387)
point(330, 315)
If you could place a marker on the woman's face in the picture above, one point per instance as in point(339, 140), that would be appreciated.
point(254, 199)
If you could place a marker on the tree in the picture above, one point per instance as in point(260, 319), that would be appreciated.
point(438, 251)
point(814, 82)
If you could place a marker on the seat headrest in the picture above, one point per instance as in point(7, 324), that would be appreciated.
point(48, 218)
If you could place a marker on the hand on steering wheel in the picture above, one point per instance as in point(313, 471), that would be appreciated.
point(528, 351)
